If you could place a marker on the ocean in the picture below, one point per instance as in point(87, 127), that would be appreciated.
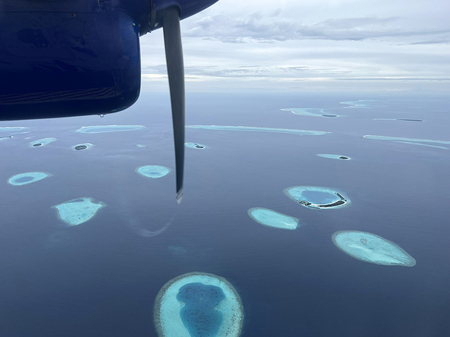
point(101, 278)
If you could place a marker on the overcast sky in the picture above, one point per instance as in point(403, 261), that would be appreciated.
point(310, 45)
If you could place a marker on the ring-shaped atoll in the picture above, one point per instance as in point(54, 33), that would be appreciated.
point(372, 248)
point(271, 218)
point(334, 156)
point(195, 146)
point(41, 142)
point(109, 128)
point(198, 305)
point(153, 171)
point(317, 197)
point(27, 178)
point(80, 147)
point(77, 211)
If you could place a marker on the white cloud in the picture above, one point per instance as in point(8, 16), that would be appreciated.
point(290, 45)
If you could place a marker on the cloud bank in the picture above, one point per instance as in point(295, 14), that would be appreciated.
point(310, 45)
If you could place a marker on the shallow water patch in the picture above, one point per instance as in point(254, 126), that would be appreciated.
point(271, 218)
point(153, 171)
point(412, 141)
point(109, 128)
point(177, 250)
point(257, 129)
point(14, 129)
point(427, 145)
point(372, 248)
point(313, 112)
point(317, 197)
point(398, 119)
point(27, 178)
point(77, 211)
point(362, 103)
point(410, 120)
point(198, 304)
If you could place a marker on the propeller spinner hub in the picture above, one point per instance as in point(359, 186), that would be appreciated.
point(186, 8)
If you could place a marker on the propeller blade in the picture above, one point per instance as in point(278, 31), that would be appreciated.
point(175, 70)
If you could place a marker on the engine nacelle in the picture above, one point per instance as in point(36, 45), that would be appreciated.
point(75, 57)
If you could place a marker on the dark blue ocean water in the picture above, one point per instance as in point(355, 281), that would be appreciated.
point(101, 278)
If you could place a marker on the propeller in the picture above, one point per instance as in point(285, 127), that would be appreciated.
point(175, 71)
